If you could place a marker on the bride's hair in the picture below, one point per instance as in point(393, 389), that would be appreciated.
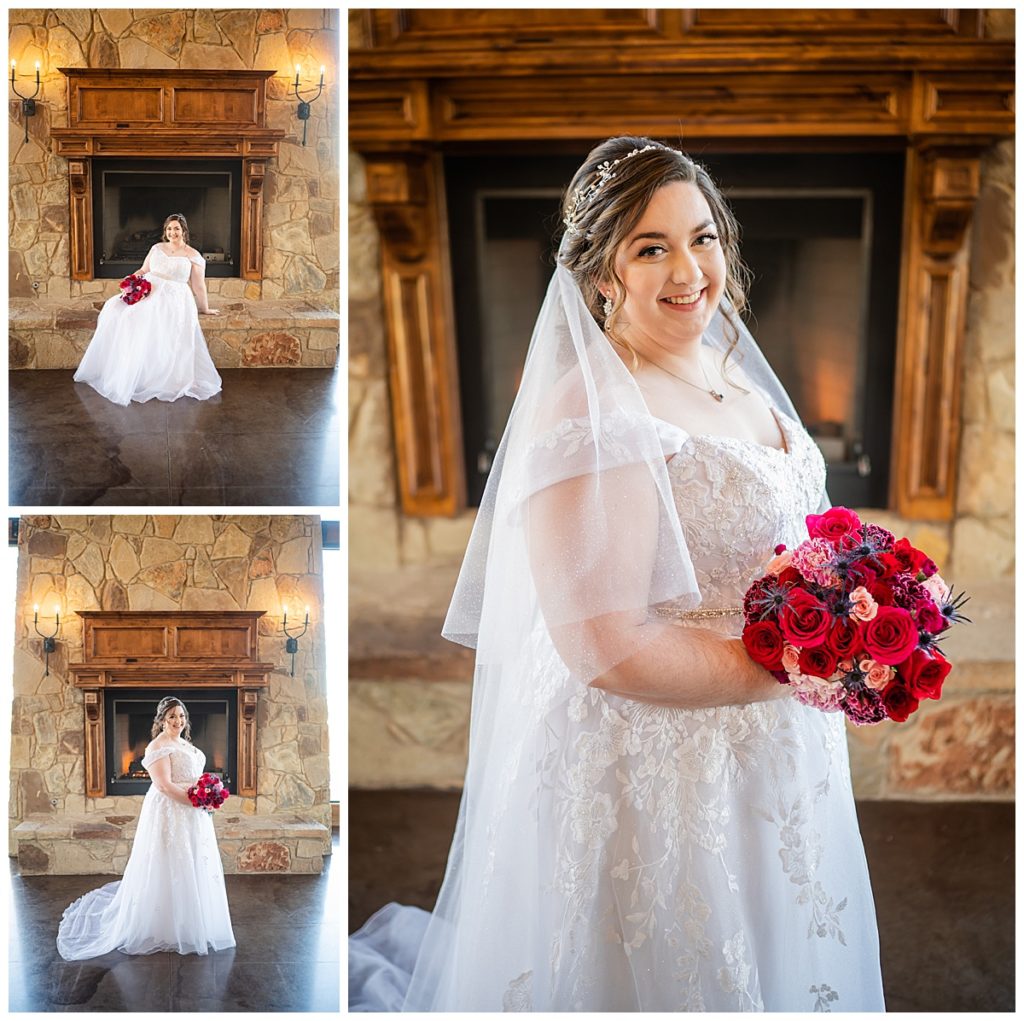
point(163, 708)
point(175, 218)
point(605, 201)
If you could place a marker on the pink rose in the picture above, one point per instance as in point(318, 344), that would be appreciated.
point(791, 659)
point(877, 675)
point(864, 606)
point(780, 562)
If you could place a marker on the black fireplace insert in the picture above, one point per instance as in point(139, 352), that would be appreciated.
point(132, 198)
point(128, 721)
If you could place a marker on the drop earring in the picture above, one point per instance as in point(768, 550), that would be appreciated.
point(607, 307)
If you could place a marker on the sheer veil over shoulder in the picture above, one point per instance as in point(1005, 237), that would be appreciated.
point(614, 855)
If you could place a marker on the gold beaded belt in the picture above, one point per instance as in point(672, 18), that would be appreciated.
point(709, 613)
point(174, 280)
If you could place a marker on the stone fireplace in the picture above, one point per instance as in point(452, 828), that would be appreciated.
point(151, 605)
point(167, 88)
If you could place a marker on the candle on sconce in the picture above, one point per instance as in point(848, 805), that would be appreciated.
point(296, 75)
point(307, 614)
point(285, 612)
point(322, 69)
point(35, 609)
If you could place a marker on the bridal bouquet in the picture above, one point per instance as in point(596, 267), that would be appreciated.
point(851, 620)
point(134, 288)
point(209, 793)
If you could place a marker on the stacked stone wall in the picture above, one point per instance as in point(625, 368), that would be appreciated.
point(301, 208)
point(145, 562)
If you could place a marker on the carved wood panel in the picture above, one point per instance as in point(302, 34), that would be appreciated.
point(407, 198)
point(940, 192)
point(80, 189)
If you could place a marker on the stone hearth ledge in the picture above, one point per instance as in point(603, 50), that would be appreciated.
point(97, 844)
point(279, 333)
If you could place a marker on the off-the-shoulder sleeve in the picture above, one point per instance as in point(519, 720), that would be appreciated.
point(197, 260)
point(155, 755)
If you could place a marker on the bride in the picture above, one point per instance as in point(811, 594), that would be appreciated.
point(171, 896)
point(650, 821)
point(155, 348)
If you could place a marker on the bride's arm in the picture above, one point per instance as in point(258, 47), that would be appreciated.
point(197, 280)
point(160, 772)
point(145, 265)
point(626, 652)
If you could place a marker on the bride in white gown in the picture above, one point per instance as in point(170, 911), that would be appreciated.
point(155, 348)
point(650, 821)
point(172, 895)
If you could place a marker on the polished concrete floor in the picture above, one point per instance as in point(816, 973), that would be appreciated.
point(288, 931)
point(269, 439)
point(942, 875)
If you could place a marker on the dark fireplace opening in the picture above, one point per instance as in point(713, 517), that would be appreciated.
point(128, 722)
point(132, 198)
point(821, 234)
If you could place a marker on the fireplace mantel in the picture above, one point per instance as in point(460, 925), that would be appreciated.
point(426, 83)
point(181, 649)
point(183, 114)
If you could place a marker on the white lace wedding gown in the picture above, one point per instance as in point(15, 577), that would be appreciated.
point(154, 348)
point(171, 896)
point(657, 859)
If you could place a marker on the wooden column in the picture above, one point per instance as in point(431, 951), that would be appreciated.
point(247, 700)
point(80, 186)
point(253, 175)
point(95, 752)
point(407, 194)
point(941, 189)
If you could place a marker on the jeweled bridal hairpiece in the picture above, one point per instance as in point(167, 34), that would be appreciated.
point(582, 197)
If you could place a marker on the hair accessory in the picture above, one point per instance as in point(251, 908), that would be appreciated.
point(582, 196)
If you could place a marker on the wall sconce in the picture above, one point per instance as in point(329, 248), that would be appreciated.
point(305, 104)
point(28, 103)
point(292, 645)
point(50, 640)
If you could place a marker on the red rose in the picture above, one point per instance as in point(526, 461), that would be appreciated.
point(804, 620)
point(819, 662)
point(833, 524)
point(844, 638)
point(898, 701)
point(890, 637)
point(226, 793)
point(923, 674)
point(764, 644)
point(881, 592)
point(929, 617)
point(790, 576)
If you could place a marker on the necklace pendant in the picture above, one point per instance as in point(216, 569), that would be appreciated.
point(717, 396)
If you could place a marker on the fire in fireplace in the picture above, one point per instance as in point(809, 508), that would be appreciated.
point(132, 197)
point(129, 718)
